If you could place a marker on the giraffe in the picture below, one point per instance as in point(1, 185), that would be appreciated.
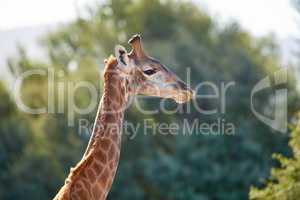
point(125, 75)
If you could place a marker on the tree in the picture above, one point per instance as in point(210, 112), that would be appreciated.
point(24, 164)
point(284, 183)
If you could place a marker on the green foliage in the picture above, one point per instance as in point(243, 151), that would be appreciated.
point(284, 183)
point(23, 167)
point(152, 166)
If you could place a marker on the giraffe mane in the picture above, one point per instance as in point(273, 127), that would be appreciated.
point(110, 63)
point(74, 174)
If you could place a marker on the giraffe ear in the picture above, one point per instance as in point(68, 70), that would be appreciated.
point(122, 56)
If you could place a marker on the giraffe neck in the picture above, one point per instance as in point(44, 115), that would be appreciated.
point(93, 176)
point(111, 109)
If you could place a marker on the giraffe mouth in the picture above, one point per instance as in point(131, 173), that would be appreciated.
point(184, 96)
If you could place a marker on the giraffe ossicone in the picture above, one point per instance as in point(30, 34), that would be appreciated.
point(125, 75)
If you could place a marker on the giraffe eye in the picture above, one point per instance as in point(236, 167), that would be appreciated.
point(149, 72)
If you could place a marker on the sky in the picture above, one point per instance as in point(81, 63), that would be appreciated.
point(25, 13)
point(258, 16)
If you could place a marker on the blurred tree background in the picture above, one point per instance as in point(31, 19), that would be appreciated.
point(38, 150)
point(284, 181)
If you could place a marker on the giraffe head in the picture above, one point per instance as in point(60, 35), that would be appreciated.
point(148, 76)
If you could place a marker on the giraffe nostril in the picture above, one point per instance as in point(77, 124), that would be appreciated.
point(188, 90)
point(182, 85)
